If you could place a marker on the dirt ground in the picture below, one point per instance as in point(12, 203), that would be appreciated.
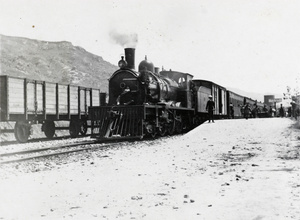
point(230, 170)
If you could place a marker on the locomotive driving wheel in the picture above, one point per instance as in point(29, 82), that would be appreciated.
point(178, 124)
point(162, 130)
point(196, 121)
point(150, 130)
point(171, 127)
point(22, 131)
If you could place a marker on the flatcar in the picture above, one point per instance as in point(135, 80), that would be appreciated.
point(27, 102)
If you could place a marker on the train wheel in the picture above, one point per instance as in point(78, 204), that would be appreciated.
point(74, 128)
point(49, 129)
point(162, 130)
point(178, 125)
point(171, 127)
point(197, 121)
point(22, 131)
point(153, 134)
point(150, 130)
point(83, 127)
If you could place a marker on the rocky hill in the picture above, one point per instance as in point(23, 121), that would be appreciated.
point(58, 62)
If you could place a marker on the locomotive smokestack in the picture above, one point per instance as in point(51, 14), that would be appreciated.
point(129, 57)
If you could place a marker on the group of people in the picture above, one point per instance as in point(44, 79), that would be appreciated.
point(292, 111)
point(247, 112)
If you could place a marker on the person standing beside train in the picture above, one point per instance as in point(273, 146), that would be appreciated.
point(210, 107)
point(231, 108)
point(281, 111)
point(247, 111)
point(293, 110)
point(254, 111)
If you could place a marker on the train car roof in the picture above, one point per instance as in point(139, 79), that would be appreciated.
point(250, 98)
point(166, 72)
point(211, 82)
point(235, 93)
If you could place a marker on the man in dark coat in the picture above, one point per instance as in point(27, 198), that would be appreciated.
point(210, 107)
point(293, 112)
point(231, 108)
point(247, 111)
point(281, 111)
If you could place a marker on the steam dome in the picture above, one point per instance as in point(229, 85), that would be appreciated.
point(146, 65)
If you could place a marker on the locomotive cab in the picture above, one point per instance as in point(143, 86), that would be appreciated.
point(185, 87)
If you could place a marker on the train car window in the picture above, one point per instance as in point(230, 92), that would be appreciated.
point(181, 81)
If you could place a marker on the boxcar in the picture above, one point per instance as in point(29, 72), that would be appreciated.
point(29, 102)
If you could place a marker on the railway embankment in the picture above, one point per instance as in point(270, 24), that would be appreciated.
point(230, 169)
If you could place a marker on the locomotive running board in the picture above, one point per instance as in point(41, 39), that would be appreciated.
point(117, 122)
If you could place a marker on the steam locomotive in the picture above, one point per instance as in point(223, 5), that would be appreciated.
point(149, 103)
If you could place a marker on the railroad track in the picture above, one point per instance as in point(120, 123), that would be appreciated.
point(45, 152)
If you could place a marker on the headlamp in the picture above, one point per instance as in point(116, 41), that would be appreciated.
point(122, 63)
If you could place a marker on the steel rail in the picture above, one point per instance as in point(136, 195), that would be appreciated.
point(44, 149)
point(53, 154)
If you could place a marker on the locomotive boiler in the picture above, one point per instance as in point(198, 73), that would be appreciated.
point(130, 87)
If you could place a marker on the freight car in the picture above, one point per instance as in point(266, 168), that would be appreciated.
point(27, 102)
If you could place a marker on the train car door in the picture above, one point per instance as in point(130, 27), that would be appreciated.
point(34, 94)
point(83, 101)
point(222, 101)
point(216, 98)
point(219, 95)
point(202, 94)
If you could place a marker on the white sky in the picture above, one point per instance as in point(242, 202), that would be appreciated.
point(252, 45)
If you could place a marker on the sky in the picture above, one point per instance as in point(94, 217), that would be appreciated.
point(251, 45)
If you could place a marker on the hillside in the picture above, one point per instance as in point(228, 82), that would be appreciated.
point(58, 62)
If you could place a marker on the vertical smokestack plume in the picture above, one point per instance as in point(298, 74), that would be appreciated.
point(129, 57)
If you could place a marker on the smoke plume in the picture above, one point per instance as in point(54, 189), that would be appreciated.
point(125, 40)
